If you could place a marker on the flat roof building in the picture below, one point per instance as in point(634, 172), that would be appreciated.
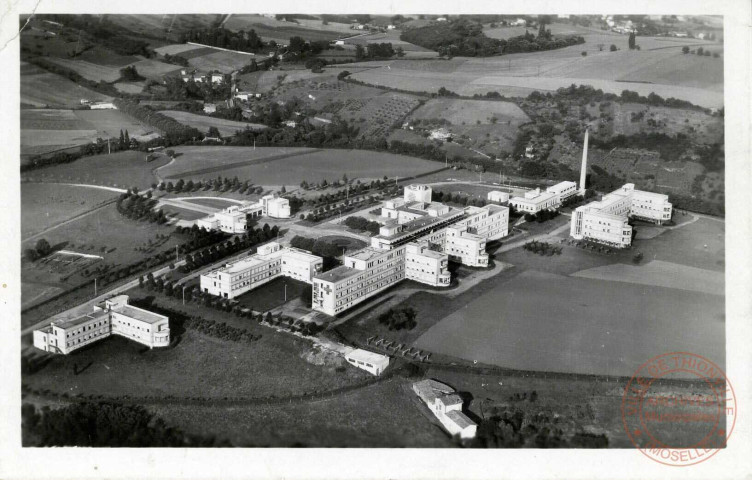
point(111, 317)
point(418, 193)
point(373, 363)
point(607, 221)
point(446, 406)
point(498, 196)
point(269, 262)
point(535, 201)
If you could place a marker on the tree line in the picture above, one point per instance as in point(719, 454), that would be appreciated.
point(225, 249)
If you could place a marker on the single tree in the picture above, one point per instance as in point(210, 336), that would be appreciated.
point(631, 40)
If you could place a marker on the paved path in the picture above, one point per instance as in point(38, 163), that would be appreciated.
point(86, 185)
point(88, 306)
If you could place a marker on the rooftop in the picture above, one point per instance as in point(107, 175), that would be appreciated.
point(139, 314)
point(366, 356)
point(460, 419)
point(431, 389)
point(74, 322)
point(423, 222)
point(366, 254)
point(339, 273)
point(451, 399)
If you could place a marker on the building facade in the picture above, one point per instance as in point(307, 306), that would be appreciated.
point(111, 317)
point(269, 262)
point(607, 221)
point(535, 201)
point(418, 193)
point(498, 196)
point(373, 363)
point(426, 265)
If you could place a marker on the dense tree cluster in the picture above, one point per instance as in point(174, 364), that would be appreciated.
point(220, 330)
point(130, 74)
point(542, 248)
point(328, 251)
point(41, 249)
point(177, 89)
point(514, 428)
point(101, 30)
point(175, 132)
point(140, 207)
point(399, 318)
point(362, 224)
point(222, 250)
point(104, 425)
point(221, 37)
point(466, 38)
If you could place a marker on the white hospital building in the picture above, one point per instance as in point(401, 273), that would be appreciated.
point(234, 219)
point(606, 221)
point(111, 317)
point(269, 262)
point(535, 201)
point(416, 243)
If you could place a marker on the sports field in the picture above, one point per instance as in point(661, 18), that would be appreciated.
point(212, 202)
point(226, 128)
point(122, 170)
point(291, 169)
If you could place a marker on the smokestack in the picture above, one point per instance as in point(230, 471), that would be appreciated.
point(583, 167)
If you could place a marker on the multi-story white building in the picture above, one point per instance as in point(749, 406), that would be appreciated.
point(535, 201)
point(269, 262)
point(446, 406)
point(364, 274)
point(275, 207)
point(111, 317)
point(416, 243)
point(234, 219)
point(418, 193)
point(563, 190)
point(607, 221)
point(426, 265)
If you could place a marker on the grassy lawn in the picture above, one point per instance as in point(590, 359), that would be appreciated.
point(122, 169)
point(277, 365)
point(203, 122)
point(383, 415)
point(272, 295)
point(211, 202)
point(182, 213)
point(46, 205)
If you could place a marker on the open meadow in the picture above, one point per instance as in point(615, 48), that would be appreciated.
point(272, 29)
point(45, 204)
point(291, 168)
point(599, 315)
point(195, 160)
point(121, 170)
point(202, 122)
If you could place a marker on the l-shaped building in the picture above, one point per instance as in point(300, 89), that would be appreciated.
point(111, 317)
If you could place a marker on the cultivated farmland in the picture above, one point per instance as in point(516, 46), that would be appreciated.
point(208, 160)
point(224, 62)
point(41, 88)
point(90, 71)
point(226, 127)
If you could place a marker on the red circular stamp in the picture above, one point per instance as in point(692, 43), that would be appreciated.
point(679, 409)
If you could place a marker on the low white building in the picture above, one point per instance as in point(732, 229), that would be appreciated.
point(373, 363)
point(269, 262)
point(440, 134)
point(498, 196)
point(535, 201)
point(607, 221)
point(217, 78)
point(245, 96)
point(446, 406)
point(111, 317)
point(418, 193)
point(210, 108)
point(234, 219)
point(103, 106)
point(290, 123)
point(339, 42)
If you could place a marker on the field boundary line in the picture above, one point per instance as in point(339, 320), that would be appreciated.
point(229, 166)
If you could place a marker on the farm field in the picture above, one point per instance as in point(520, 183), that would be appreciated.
point(478, 123)
point(579, 325)
point(392, 37)
point(291, 168)
point(273, 29)
point(42, 88)
point(103, 56)
point(45, 130)
point(162, 26)
point(154, 69)
point(201, 122)
point(47, 204)
point(121, 169)
point(133, 88)
point(665, 70)
point(88, 70)
point(222, 61)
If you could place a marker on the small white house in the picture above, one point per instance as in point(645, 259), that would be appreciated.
point(339, 42)
point(210, 108)
point(446, 406)
point(498, 196)
point(440, 134)
point(441, 19)
point(290, 123)
point(373, 363)
point(217, 78)
point(103, 106)
point(390, 27)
